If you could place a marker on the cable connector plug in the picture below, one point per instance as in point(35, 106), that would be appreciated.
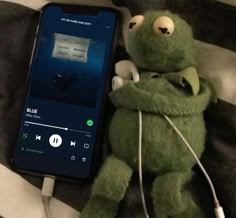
point(219, 212)
point(47, 192)
point(48, 186)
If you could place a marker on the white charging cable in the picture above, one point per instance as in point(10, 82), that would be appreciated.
point(47, 193)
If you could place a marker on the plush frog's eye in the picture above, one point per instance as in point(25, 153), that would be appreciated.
point(135, 22)
point(164, 26)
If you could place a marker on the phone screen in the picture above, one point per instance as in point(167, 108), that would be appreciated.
point(67, 83)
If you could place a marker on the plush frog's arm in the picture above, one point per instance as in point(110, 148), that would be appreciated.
point(159, 95)
point(108, 189)
point(188, 76)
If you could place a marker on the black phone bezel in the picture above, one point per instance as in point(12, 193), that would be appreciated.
point(96, 156)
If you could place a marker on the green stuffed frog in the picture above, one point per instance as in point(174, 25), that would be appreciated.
point(160, 44)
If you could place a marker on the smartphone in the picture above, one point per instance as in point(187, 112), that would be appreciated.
point(61, 127)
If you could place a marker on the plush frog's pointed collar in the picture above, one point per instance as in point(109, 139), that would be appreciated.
point(187, 78)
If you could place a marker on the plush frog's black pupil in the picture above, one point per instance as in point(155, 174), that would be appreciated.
point(164, 30)
point(132, 24)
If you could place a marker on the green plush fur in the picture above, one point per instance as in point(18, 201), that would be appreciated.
point(163, 150)
point(169, 85)
point(162, 54)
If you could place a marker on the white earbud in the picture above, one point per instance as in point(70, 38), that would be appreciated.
point(125, 70)
point(118, 82)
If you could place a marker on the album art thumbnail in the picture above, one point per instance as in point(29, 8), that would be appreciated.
point(68, 69)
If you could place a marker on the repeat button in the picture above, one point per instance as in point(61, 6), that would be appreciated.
point(86, 145)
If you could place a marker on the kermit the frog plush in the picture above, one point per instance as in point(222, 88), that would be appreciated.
point(160, 44)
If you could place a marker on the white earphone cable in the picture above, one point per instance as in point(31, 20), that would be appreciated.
point(196, 158)
point(125, 69)
point(140, 165)
point(218, 209)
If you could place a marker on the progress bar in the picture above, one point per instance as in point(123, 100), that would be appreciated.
point(56, 127)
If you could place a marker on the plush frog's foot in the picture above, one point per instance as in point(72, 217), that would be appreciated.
point(99, 207)
point(108, 189)
point(171, 200)
point(191, 212)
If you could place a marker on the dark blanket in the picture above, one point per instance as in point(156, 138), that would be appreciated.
point(17, 31)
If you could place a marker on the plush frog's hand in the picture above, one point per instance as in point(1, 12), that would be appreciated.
point(188, 76)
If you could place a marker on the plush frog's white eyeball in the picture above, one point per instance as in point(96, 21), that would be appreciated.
point(164, 26)
point(135, 22)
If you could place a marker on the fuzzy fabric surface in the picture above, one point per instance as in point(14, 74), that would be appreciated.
point(216, 59)
point(152, 53)
point(159, 154)
point(164, 154)
point(160, 96)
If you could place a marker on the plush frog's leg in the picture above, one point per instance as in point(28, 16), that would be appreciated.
point(108, 190)
point(171, 200)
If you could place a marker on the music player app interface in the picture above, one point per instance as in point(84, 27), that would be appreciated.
point(66, 89)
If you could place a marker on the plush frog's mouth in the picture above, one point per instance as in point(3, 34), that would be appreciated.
point(155, 75)
point(149, 59)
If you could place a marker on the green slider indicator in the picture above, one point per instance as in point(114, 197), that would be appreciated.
point(89, 123)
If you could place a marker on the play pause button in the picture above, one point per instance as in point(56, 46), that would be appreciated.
point(55, 140)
